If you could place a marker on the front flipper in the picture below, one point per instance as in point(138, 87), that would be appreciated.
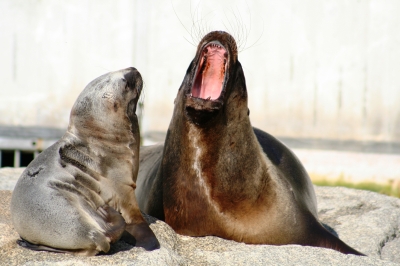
point(26, 244)
point(114, 222)
point(140, 235)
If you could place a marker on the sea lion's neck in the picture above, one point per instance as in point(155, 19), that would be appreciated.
point(222, 159)
point(216, 171)
point(115, 148)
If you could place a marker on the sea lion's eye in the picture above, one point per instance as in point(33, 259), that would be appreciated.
point(126, 83)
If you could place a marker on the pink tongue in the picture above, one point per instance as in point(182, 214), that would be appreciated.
point(208, 84)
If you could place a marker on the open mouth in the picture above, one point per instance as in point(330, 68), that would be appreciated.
point(205, 97)
point(209, 80)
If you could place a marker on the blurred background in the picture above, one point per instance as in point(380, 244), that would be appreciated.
point(322, 75)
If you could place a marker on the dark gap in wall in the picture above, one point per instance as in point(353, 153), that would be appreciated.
point(7, 158)
point(26, 158)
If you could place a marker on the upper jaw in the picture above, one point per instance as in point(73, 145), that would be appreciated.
point(207, 87)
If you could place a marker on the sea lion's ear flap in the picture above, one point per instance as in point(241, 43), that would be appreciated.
point(248, 112)
point(108, 95)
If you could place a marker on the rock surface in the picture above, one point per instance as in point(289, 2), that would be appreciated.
point(367, 221)
point(9, 177)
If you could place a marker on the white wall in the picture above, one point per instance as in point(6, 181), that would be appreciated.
point(324, 69)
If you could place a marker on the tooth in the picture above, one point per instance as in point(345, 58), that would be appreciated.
point(209, 98)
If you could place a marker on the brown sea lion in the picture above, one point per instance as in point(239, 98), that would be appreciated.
point(217, 175)
point(78, 196)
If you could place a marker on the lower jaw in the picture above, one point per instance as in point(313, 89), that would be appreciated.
point(203, 104)
point(201, 111)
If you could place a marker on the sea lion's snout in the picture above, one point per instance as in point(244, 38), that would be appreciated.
point(133, 87)
point(134, 79)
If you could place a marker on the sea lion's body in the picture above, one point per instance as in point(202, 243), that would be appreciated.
point(217, 175)
point(78, 195)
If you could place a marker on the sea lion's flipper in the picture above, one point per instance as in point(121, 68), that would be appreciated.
point(26, 244)
point(128, 238)
point(143, 235)
point(337, 244)
point(327, 240)
point(114, 222)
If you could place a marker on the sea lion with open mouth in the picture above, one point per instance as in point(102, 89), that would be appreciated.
point(217, 175)
point(78, 196)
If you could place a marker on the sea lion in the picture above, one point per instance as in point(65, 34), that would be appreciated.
point(78, 196)
point(217, 175)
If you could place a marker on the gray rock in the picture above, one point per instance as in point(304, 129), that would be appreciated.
point(390, 251)
point(365, 220)
point(9, 177)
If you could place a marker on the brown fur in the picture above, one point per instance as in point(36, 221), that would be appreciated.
point(219, 176)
